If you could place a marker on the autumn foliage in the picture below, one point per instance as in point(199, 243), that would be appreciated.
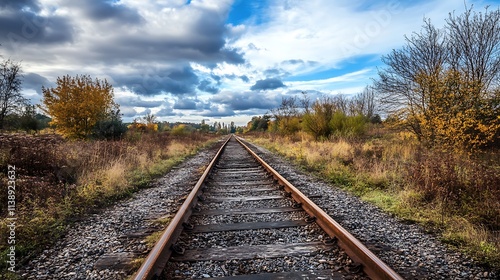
point(442, 84)
point(77, 104)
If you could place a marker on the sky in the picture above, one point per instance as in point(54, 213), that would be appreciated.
point(212, 60)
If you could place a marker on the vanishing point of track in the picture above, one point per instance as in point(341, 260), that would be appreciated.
point(242, 217)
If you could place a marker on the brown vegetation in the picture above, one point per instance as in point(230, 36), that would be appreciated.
point(453, 194)
point(58, 180)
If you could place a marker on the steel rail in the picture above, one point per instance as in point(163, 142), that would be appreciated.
point(156, 260)
point(374, 267)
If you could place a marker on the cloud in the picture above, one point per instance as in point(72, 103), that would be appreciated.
point(267, 84)
point(21, 23)
point(99, 10)
point(128, 112)
point(137, 102)
point(219, 111)
point(122, 39)
point(207, 86)
point(165, 112)
point(35, 82)
point(244, 78)
point(149, 82)
point(185, 104)
point(247, 100)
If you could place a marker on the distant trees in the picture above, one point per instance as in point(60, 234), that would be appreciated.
point(11, 99)
point(111, 127)
point(287, 116)
point(147, 123)
point(317, 119)
point(78, 103)
point(340, 115)
point(443, 84)
point(259, 123)
point(337, 115)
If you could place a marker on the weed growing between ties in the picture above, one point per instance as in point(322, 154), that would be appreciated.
point(456, 195)
point(58, 180)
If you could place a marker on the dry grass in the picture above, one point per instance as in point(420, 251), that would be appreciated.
point(59, 180)
point(453, 194)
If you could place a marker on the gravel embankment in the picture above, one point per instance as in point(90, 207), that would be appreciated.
point(405, 247)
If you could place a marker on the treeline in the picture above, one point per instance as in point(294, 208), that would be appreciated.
point(328, 116)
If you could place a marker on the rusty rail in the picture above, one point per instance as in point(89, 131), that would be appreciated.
point(159, 255)
point(374, 267)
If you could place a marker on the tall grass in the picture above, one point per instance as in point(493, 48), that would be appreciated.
point(58, 180)
point(454, 194)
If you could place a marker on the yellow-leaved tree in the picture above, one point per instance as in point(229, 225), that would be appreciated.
point(78, 103)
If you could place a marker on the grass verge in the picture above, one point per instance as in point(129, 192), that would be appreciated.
point(454, 195)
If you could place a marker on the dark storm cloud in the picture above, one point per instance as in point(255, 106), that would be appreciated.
point(244, 78)
point(148, 56)
point(246, 101)
point(149, 82)
point(207, 86)
point(165, 112)
point(219, 111)
point(202, 39)
point(20, 24)
point(269, 83)
point(20, 4)
point(185, 104)
point(35, 82)
point(99, 10)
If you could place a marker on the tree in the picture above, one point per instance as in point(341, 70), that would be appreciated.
point(474, 44)
point(10, 89)
point(287, 115)
point(363, 103)
point(78, 103)
point(259, 123)
point(29, 121)
point(111, 128)
point(402, 93)
point(443, 84)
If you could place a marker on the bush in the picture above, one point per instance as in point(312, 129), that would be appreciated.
point(349, 126)
point(461, 185)
point(113, 129)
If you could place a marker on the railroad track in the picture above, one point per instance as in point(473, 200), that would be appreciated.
point(243, 220)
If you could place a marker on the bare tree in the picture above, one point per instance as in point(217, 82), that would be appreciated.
point(401, 88)
point(342, 103)
point(10, 89)
point(475, 45)
point(363, 103)
point(443, 84)
point(287, 115)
